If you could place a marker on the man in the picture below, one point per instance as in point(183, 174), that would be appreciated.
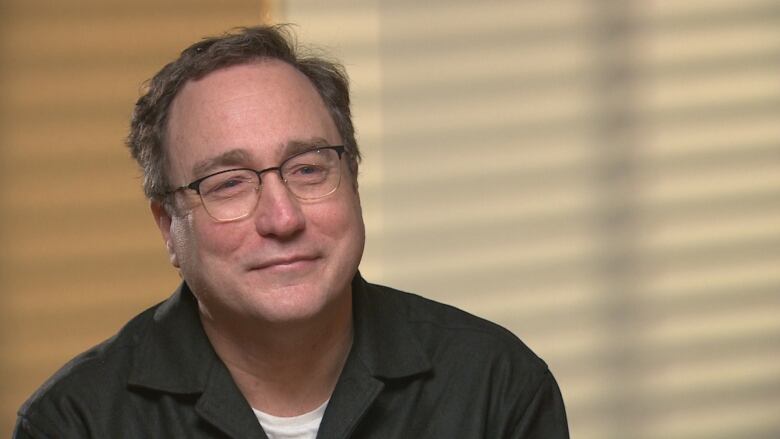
point(250, 164)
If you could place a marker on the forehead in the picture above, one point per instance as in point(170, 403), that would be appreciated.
point(258, 108)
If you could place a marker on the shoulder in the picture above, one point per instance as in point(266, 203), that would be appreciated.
point(86, 382)
point(446, 331)
point(477, 371)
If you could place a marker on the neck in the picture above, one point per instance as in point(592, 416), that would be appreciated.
point(285, 369)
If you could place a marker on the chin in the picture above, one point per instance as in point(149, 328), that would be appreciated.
point(292, 303)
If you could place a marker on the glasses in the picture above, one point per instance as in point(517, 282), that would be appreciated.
point(233, 194)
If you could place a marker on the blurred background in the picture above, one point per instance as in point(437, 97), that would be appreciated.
point(601, 177)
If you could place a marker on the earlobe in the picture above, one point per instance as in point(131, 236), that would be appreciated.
point(163, 220)
point(172, 254)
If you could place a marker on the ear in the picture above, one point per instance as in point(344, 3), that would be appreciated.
point(163, 220)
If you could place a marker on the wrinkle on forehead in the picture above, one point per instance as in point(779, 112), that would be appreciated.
point(266, 110)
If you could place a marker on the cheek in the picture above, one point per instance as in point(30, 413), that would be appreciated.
point(180, 241)
point(196, 240)
point(330, 213)
point(222, 240)
point(342, 222)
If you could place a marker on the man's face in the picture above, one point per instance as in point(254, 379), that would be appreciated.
point(289, 260)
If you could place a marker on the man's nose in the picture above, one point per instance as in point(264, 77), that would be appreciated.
point(278, 211)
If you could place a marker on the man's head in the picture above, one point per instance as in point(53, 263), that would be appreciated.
point(147, 136)
point(217, 110)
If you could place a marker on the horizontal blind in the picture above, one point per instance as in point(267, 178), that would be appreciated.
point(80, 252)
point(708, 229)
point(601, 177)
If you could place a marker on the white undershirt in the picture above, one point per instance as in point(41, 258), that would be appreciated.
point(303, 426)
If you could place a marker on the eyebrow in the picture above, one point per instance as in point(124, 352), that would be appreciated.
point(240, 156)
point(297, 146)
point(234, 157)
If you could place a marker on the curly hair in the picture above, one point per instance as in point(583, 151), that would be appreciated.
point(147, 136)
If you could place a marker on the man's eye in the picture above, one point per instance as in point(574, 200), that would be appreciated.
point(307, 172)
point(309, 169)
point(228, 186)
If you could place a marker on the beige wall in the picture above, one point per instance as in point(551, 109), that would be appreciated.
point(600, 177)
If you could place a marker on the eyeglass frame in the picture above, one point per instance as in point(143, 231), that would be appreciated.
point(195, 184)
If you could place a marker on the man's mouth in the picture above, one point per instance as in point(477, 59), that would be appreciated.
point(282, 262)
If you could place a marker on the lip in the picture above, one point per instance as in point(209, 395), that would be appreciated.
point(284, 262)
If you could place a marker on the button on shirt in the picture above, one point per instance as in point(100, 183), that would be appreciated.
point(417, 369)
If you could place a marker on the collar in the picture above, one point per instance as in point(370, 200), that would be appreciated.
point(175, 355)
point(384, 348)
point(384, 341)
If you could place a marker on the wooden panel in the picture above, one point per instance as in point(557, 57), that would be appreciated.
point(80, 254)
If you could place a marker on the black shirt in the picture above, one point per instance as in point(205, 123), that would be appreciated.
point(417, 369)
